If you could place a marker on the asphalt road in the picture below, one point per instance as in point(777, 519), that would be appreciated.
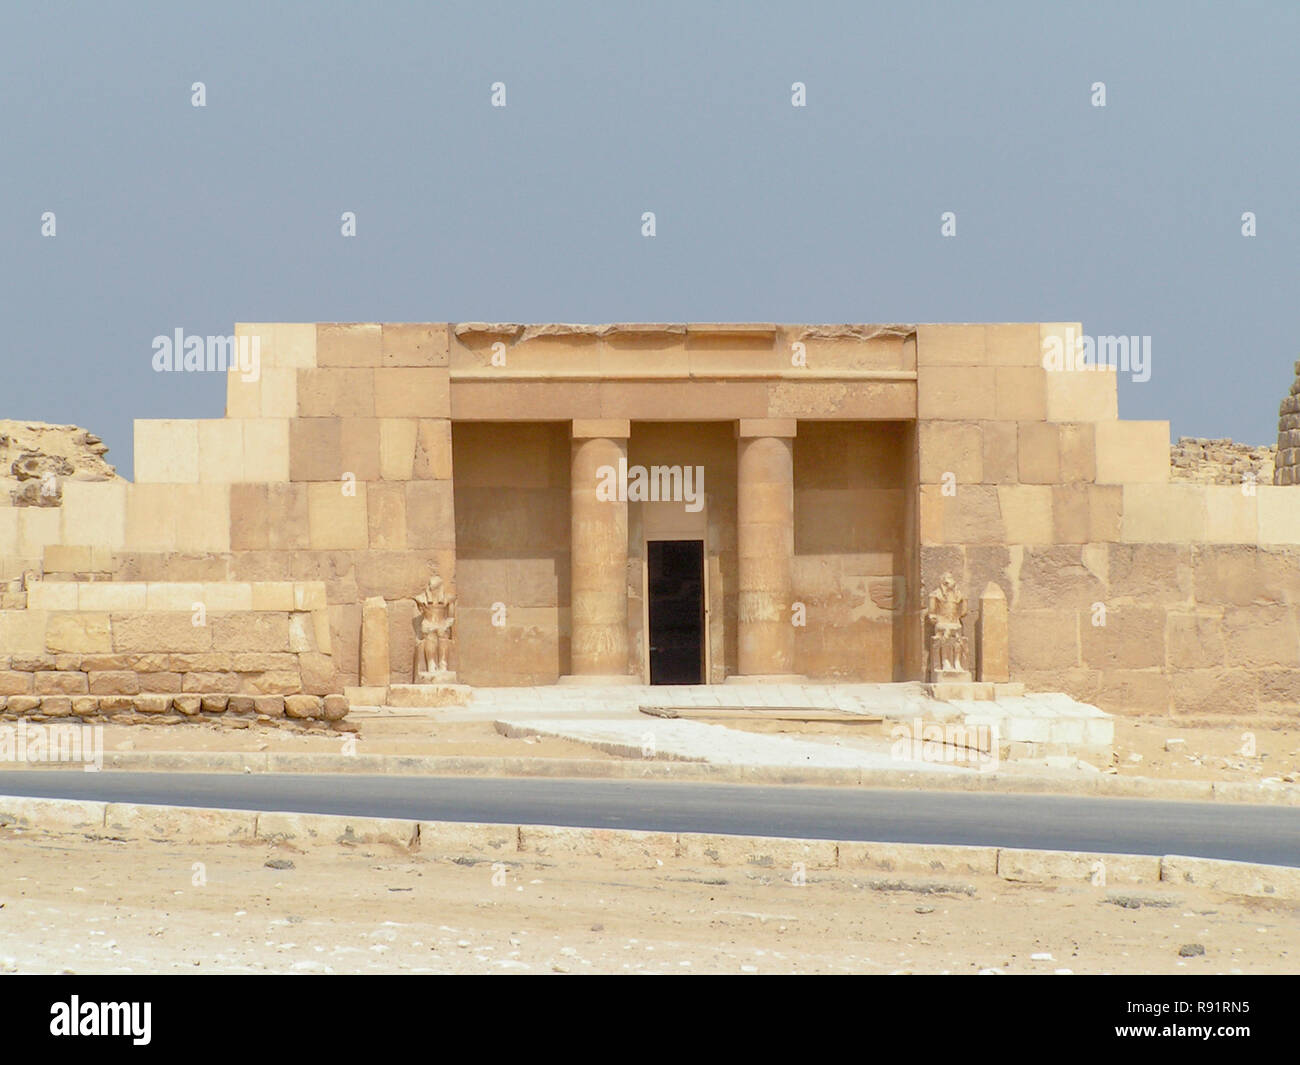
point(1126, 826)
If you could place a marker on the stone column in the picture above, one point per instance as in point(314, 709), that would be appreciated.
point(765, 535)
point(598, 560)
point(994, 650)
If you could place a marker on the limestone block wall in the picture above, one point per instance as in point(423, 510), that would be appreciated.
point(113, 649)
point(332, 465)
point(1124, 589)
point(512, 544)
point(850, 565)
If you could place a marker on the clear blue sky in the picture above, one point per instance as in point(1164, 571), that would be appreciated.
point(1126, 218)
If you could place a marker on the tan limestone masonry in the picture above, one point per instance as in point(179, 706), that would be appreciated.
point(846, 469)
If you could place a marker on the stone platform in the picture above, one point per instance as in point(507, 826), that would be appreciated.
point(1021, 725)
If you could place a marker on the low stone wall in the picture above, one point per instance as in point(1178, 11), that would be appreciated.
point(126, 651)
point(158, 709)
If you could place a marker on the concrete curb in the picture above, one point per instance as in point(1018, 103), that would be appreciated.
point(632, 849)
point(1100, 784)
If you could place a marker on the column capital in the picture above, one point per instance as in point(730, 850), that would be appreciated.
point(610, 428)
point(752, 427)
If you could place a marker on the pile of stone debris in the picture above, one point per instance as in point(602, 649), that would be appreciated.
point(35, 459)
point(1221, 461)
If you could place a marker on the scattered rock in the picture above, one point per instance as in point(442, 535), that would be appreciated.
point(279, 863)
point(1175, 744)
point(1191, 950)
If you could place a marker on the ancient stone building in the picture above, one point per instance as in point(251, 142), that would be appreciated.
point(665, 503)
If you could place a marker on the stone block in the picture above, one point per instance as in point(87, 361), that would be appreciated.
point(77, 633)
point(1078, 451)
point(1072, 513)
point(412, 392)
point(950, 447)
point(1194, 640)
point(1039, 453)
point(52, 595)
point(1042, 867)
point(221, 450)
point(1043, 640)
point(336, 393)
point(337, 521)
point(1013, 344)
point(272, 595)
point(315, 449)
point(289, 517)
point(302, 707)
point(397, 448)
point(111, 596)
point(266, 449)
point(1278, 514)
point(1164, 513)
point(1131, 452)
point(250, 519)
point(249, 632)
point(349, 344)
point(1001, 452)
point(269, 705)
point(177, 824)
point(1021, 393)
point(374, 643)
point(166, 451)
point(156, 632)
point(14, 682)
point(202, 518)
point(1131, 638)
point(1233, 878)
point(1026, 512)
point(430, 515)
point(278, 398)
point(359, 448)
point(415, 344)
point(433, 450)
point(952, 345)
point(94, 513)
point(956, 392)
point(54, 682)
point(113, 682)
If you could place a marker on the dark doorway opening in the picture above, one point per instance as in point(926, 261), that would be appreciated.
point(676, 597)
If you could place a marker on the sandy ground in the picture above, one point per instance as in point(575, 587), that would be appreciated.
point(72, 905)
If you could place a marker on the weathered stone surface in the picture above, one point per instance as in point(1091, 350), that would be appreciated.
point(269, 705)
point(334, 708)
point(189, 705)
point(153, 703)
point(302, 706)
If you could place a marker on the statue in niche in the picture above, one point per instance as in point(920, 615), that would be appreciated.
point(947, 608)
point(435, 616)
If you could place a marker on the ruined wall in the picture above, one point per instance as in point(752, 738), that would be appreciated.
point(849, 566)
point(1125, 589)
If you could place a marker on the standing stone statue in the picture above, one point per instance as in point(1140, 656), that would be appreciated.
point(947, 608)
point(435, 616)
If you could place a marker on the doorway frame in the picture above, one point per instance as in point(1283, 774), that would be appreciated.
point(706, 651)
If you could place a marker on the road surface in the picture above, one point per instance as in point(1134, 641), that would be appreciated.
point(1054, 822)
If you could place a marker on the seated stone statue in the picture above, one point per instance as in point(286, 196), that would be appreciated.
point(947, 608)
point(435, 617)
